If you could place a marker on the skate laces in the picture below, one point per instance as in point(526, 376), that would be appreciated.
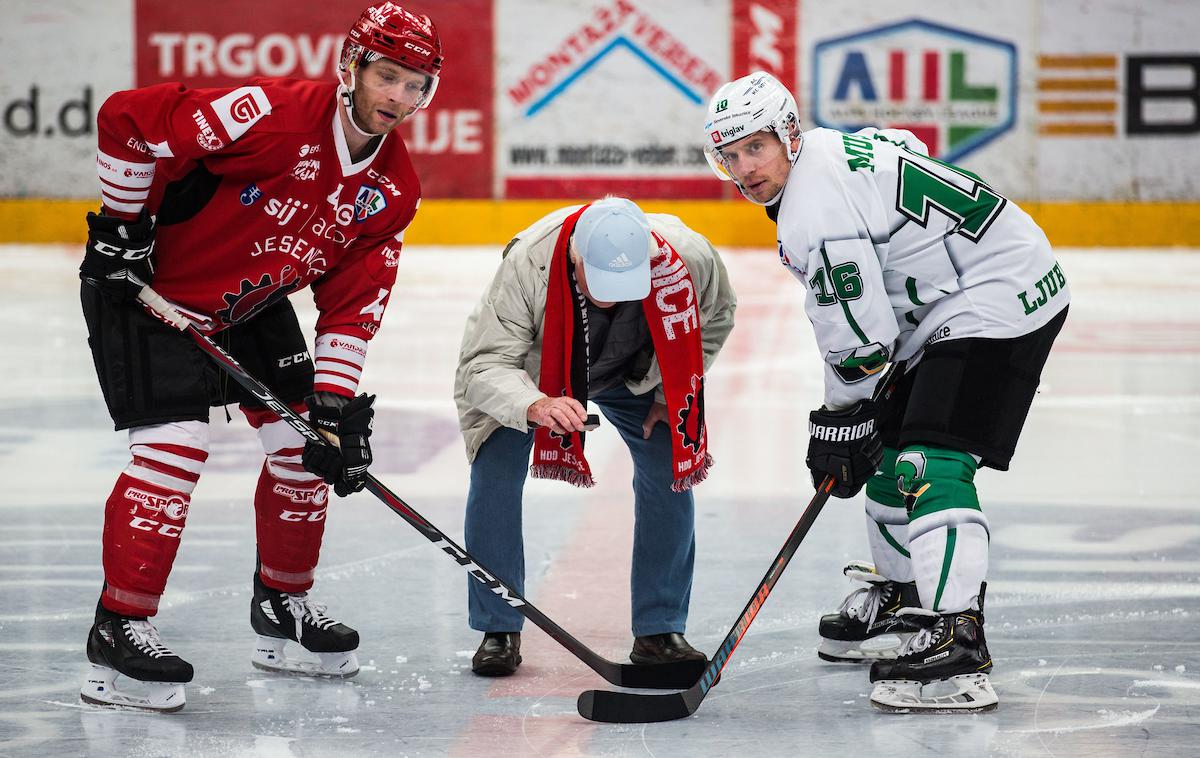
point(923, 638)
point(304, 609)
point(145, 636)
point(864, 603)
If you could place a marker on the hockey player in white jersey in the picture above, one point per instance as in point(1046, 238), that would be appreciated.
point(903, 258)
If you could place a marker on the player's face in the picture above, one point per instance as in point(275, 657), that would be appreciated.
point(386, 94)
point(759, 163)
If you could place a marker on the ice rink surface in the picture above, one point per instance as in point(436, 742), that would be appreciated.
point(1093, 613)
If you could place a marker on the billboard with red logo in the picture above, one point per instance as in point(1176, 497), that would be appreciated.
point(219, 43)
point(764, 39)
point(1051, 101)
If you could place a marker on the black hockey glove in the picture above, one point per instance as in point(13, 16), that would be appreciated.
point(349, 421)
point(119, 258)
point(844, 444)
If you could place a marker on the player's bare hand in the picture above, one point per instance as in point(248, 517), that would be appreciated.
point(560, 415)
point(658, 412)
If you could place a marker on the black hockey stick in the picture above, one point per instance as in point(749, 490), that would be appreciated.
point(653, 676)
point(635, 708)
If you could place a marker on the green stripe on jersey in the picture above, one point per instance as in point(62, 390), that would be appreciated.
point(911, 285)
point(845, 306)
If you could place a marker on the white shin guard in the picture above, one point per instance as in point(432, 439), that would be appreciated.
point(949, 557)
point(887, 534)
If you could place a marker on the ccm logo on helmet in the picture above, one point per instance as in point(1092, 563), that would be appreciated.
point(418, 49)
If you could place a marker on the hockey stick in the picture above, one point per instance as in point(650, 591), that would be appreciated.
point(635, 708)
point(654, 676)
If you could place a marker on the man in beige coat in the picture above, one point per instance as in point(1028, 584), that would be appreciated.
point(601, 292)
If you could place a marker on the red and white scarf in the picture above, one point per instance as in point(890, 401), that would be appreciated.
point(673, 313)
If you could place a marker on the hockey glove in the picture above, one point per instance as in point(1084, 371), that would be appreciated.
point(844, 444)
point(349, 422)
point(119, 258)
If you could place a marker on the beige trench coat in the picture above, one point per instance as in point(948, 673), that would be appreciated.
point(501, 354)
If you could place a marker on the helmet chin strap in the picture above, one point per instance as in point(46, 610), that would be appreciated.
point(347, 93)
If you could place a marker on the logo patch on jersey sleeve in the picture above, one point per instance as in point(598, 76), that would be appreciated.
point(241, 109)
point(858, 363)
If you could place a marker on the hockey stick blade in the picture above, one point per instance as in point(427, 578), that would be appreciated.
point(667, 676)
point(638, 708)
point(630, 708)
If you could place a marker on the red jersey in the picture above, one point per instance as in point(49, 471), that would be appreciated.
point(256, 196)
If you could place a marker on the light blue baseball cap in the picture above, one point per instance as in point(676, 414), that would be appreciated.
point(613, 238)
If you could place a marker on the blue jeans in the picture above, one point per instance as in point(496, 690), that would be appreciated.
point(664, 537)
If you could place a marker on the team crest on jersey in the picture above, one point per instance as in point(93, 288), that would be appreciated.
point(253, 298)
point(368, 202)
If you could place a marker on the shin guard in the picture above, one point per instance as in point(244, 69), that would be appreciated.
point(887, 522)
point(145, 514)
point(948, 533)
point(289, 506)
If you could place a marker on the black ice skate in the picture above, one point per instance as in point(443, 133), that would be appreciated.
point(278, 617)
point(129, 646)
point(867, 615)
point(943, 668)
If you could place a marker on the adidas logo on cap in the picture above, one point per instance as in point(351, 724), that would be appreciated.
point(621, 261)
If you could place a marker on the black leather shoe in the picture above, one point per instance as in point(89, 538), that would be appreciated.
point(664, 648)
point(498, 655)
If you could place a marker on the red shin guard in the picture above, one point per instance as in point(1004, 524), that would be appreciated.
point(290, 522)
point(142, 526)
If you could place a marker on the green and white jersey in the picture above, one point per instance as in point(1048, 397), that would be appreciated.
point(898, 250)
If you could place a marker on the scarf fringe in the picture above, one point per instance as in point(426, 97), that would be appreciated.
point(561, 473)
point(694, 478)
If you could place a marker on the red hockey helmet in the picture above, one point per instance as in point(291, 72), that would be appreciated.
point(385, 30)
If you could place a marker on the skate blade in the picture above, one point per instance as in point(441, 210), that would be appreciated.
point(269, 655)
point(965, 693)
point(161, 697)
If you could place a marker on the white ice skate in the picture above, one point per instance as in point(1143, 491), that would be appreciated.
point(130, 647)
point(282, 617)
point(965, 693)
point(101, 689)
point(269, 655)
point(943, 668)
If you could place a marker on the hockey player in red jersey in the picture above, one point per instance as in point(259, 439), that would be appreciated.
point(227, 201)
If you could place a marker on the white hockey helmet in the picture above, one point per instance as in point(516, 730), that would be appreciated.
point(758, 102)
